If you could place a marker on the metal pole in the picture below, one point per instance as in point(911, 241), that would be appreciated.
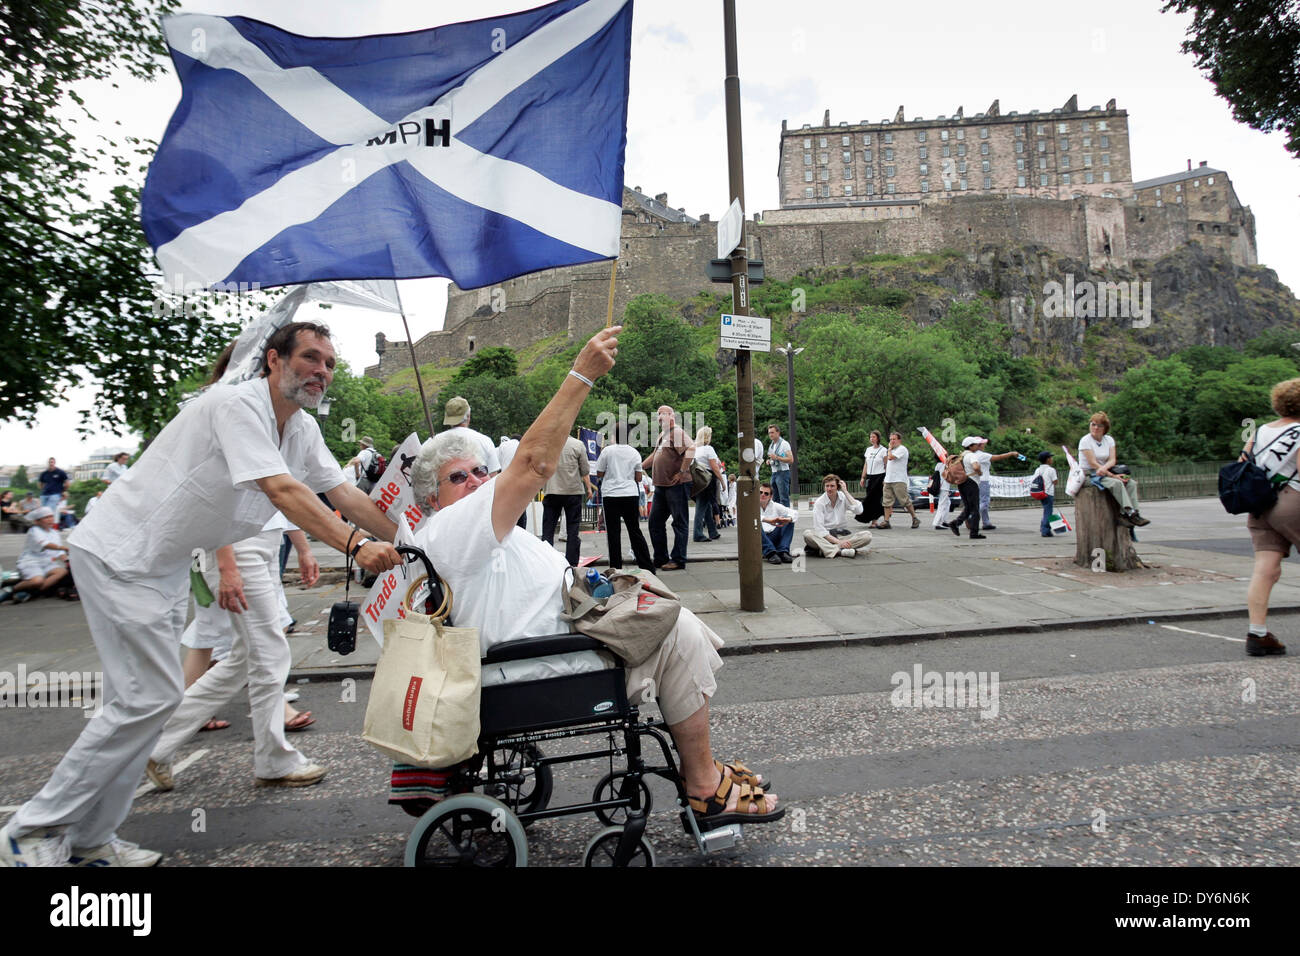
point(749, 539)
point(414, 365)
point(794, 441)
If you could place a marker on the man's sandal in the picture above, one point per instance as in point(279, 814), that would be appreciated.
point(712, 812)
point(741, 774)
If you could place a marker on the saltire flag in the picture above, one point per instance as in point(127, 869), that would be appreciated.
point(477, 151)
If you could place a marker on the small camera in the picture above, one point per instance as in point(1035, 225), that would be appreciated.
point(342, 636)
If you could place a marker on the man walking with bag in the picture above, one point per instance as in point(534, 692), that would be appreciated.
point(670, 467)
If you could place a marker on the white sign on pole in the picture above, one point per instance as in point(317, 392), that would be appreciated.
point(746, 332)
point(731, 229)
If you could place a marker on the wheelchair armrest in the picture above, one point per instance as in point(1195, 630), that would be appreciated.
point(526, 647)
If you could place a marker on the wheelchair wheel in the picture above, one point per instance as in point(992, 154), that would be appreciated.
point(468, 830)
point(604, 845)
point(521, 784)
point(610, 787)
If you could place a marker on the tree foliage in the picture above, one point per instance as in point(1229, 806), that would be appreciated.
point(495, 361)
point(75, 296)
point(1250, 50)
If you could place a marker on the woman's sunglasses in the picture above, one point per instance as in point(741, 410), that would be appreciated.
point(459, 477)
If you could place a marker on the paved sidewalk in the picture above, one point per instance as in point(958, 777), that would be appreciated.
point(911, 585)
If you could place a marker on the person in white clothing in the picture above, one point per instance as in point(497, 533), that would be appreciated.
point(619, 468)
point(1097, 456)
point(873, 480)
point(895, 487)
point(508, 584)
point(985, 479)
point(777, 524)
point(1046, 472)
point(830, 532)
point(456, 415)
point(705, 518)
point(43, 562)
point(213, 476)
point(116, 469)
point(942, 499)
point(360, 465)
point(506, 450)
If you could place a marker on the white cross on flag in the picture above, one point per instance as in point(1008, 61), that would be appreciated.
point(477, 151)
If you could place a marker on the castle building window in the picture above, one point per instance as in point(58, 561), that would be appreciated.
point(807, 143)
point(1062, 127)
point(1178, 188)
point(1020, 163)
point(1020, 147)
point(889, 188)
point(1159, 203)
point(871, 189)
point(961, 149)
point(1196, 183)
point(1087, 142)
point(925, 169)
point(1042, 179)
point(1208, 182)
point(889, 137)
point(1020, 181)
point(1102, 125)
point(1157, 192)
point(1087, 126)
point(1105, 159)
point(807, 192)
point(961, 165)
point(1042, 129)
point(963, 184)
point(1108, 194)
point(807, 159)
point(848, 172)
point(848, 156)
point(1042, 162)
point(961, 134)
point(1020, 133)
point(1064, 162)
point(848, 190)
point(1065, 179)
point(1087, 177)
point(1042, 145)
point(821, 141)
point(1105, 175)
point(943, 135)
point(889, 172)
point(824, 175)
point(866, 156)
point(845, 140)
point(988, 182)
point(1105, 142)
point(1087, 160)
point(925, 186)
point(826, 192)
point(984, 166)
point(920, 136)
point(984, 149)
point(1178, 199)
point(807, 175)
point(823, 158)
point(947, 151)
point(924, 152)
point(889, 155)
point(1065, 144)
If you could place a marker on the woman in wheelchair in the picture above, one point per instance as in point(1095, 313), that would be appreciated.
point(508, 584)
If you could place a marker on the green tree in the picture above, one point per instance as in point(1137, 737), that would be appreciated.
point(1148, 413)
point(20, 481)
point(495, 361)
point(74, 288)
point(1227, 402)
point(1250, 49)
point(657, 348)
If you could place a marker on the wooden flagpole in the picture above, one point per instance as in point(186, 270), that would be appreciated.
point(609, 311)
point(414, 365)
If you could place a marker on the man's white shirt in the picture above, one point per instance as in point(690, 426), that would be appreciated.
point(775, 509)
point(827, 515)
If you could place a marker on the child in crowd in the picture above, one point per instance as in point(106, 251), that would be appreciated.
point(1048, 474)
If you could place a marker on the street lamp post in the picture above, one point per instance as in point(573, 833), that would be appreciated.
point(790, 352)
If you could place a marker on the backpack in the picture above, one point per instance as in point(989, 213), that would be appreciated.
point(1244, 486)
point(954, 471)
point(378, 464)
point(1037, 488)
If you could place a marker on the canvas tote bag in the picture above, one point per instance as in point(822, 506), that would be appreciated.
point(424, 702)
point(632, 622)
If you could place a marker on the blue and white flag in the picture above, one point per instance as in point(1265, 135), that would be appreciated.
point(477, 151)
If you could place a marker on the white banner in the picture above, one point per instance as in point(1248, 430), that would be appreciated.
point(408, 583)
point(392, 492)
point(1009, 487)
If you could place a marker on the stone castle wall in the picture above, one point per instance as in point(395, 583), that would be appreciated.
point(670, 259)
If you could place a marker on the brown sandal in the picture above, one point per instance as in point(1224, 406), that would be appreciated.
point(741, 774)
point(712, 812)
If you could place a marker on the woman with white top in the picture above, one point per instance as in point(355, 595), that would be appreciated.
point(705, 454)
point(872, 481)
point(43, 562)
point(1097, 456)
point(619, 469)
point(1276, 530)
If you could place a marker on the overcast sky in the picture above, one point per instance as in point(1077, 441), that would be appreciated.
point(797, 60)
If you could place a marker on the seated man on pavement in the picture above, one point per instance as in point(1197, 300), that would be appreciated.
point(507, 583)
point(778, 526)
point(830, 532)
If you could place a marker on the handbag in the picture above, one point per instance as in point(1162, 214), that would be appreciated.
point(701, 475)
point(632, 622)
point(1244, 486)
point(1037, 488)
point(424, 701)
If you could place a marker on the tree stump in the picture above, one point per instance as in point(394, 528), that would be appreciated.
point(1097, 525)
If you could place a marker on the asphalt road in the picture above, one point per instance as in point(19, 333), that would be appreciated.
point(1152, 744)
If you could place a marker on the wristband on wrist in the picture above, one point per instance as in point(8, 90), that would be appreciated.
point(361, 544)
point(582, 378)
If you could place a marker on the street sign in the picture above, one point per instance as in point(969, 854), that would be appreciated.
point(746, 332)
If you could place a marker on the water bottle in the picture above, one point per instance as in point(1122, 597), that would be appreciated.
point(597, 586)
point(1019, 457)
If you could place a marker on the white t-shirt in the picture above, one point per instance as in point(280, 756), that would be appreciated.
point(508, 589)
point(34, 559)
point(620, 463)
point(506, 452)
point(364, 458)
point(196, 485)
point(1100, 450)
point(647, 484)
point(704, 454)
point(1276, 451)
point(969, 460)
point(875, 459)
point(1048, 474)
point(827, 516)
point(896, 470)
point(780, 447)
point(775, 509)
point(114, 471)
point(986, 466)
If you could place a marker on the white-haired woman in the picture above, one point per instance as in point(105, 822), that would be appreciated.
point(704, 510)
point(507, 583)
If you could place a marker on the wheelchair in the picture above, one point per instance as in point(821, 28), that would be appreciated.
point(507, 785)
